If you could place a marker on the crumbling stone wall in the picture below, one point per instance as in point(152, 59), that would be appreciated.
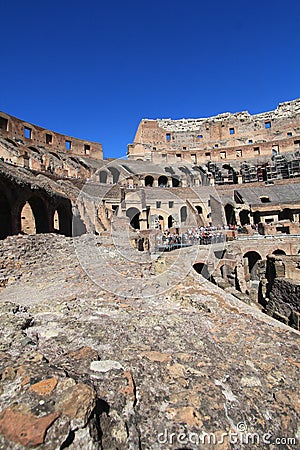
point(219, 138)
point(284, 304)
point(30, 134)
point(281, 288)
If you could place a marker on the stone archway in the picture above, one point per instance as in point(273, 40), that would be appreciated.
point(62, 219)
point(34, 216)
point(175, 182)
point(183, 214)
point(115, 173)
point(251, 259)
point(162, 181)
point(103, 176)
point(27, 220)
point(230, 214)
point(244, 217)
point(171, 221)
point(5, 217)
point(278, 251)
point(149, 180)
point(256, 217)
point(134, 216)
point(202, 269)
point(161, 223)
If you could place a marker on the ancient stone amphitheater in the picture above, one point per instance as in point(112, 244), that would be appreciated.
point(152, 302)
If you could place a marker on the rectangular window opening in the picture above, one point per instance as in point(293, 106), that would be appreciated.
point(158, 205)
point(3, 123)
point(256, 150)
point(171, 204)
point(231, 130)
point(264, 199)
point(223, 155)
point(289, 134)
point(267, 124)
point(68, 145)
point(183, 148)
point(87, 149)
point(250, 141)
point(239, 153)
point(178, 155)
point(27, 133)
point(168, 136)
point(48, 138)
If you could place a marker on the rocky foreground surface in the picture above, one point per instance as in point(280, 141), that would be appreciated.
point(135, 368)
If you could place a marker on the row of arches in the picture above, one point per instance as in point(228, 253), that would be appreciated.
point(251, 265)
point(164, 221)
point(28, 212)
point(162, 181)
point(112, 175)
point(244, 215)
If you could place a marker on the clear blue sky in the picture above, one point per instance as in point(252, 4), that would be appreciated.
point(94, 69)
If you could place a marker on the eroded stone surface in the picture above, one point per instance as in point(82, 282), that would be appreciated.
point(193, 359)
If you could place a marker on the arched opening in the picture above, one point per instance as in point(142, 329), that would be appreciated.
point(140, 244)
point(225, 270)
point(134, 216)
point(175, 182)
point(62, 220)
point(199, 209)
point(27, 220)
point(34, 218)
point(170, 221)
point(251, 264)
point(278, 251)
point(286, 214)
point(149, 181)
point(115, 173)
point(202, 269)
point(183, 214)
point(5, 217)
point(56, 222)
point(103, 176)
point(161, 223)
point(244, 217)
point(162, 181)
point(230, 214)
point(256, 217)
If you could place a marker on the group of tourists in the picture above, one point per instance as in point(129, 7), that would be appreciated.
point(204, 235)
